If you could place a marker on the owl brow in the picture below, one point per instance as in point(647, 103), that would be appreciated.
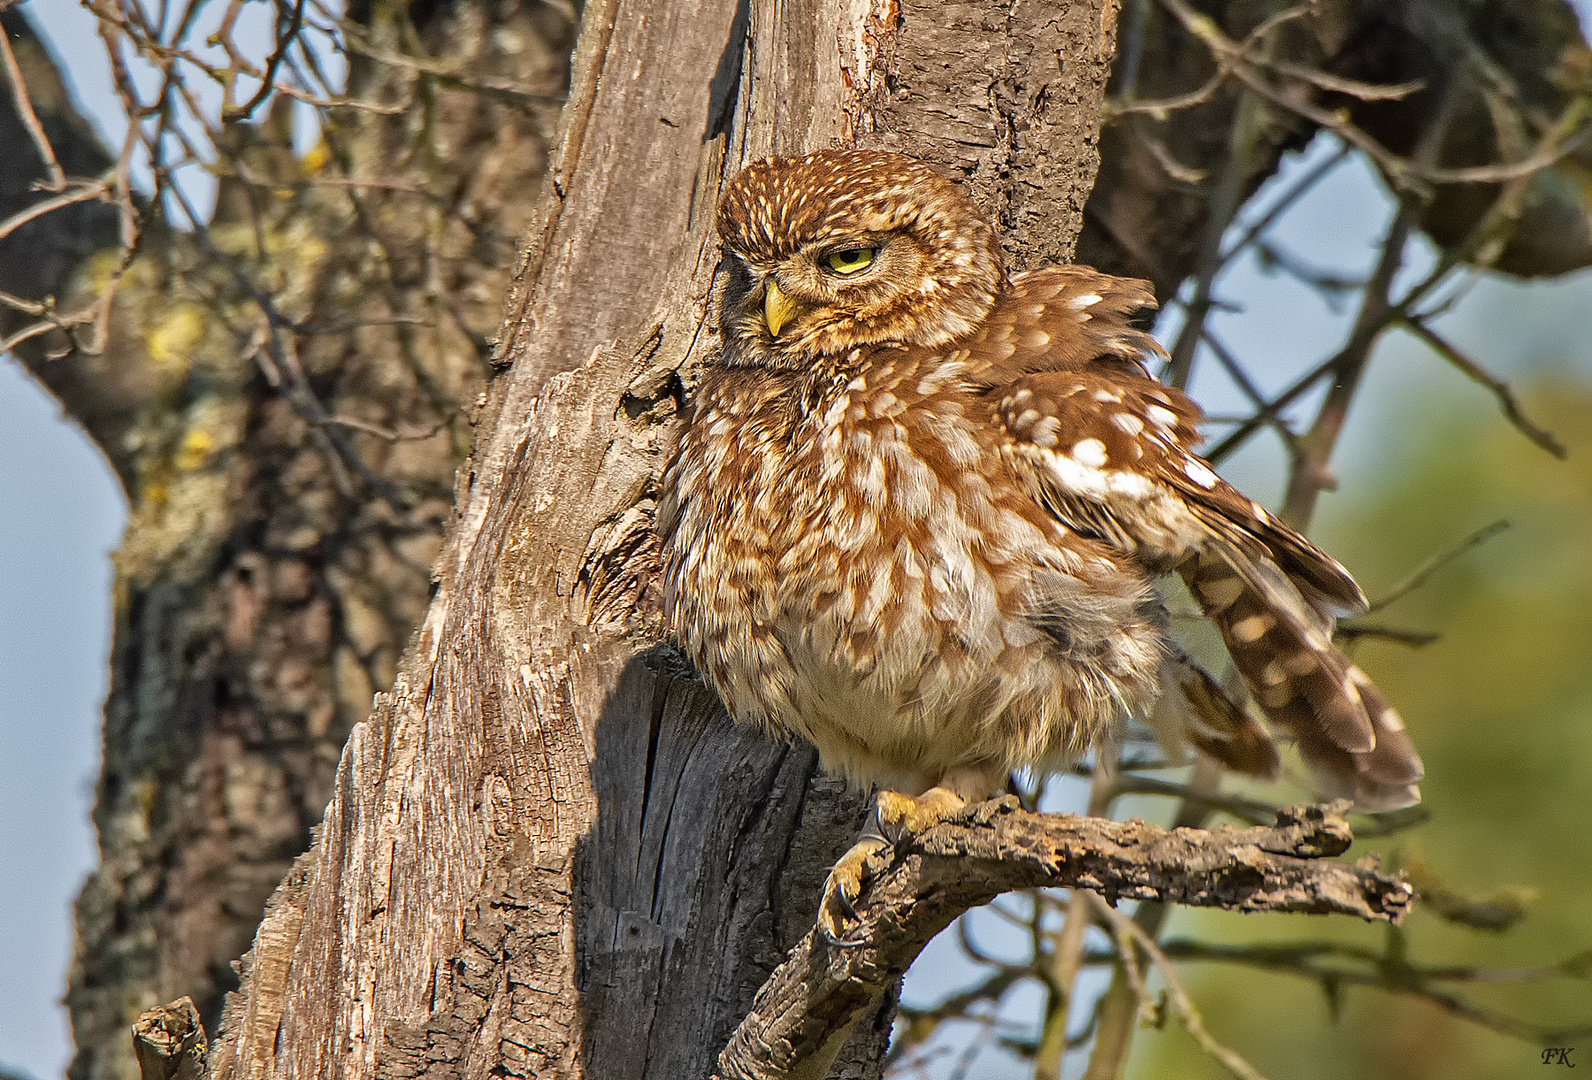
point(850, 242)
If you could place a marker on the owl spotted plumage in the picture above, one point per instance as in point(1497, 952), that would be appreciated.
point(918, 506)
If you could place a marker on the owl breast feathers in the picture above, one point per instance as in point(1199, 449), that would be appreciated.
point(917, 508)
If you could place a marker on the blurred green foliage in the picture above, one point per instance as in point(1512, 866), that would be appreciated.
point(1501, 707)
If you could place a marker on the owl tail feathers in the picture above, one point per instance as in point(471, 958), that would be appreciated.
point(1383, 778)
point(1194, 710)
point(1350, 737)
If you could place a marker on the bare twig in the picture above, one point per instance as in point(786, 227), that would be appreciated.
point(1418, 576)
point(30, 119)
point(1500, 389)
point(1060, 974)
point(1225, 199)
point(1404, 173)
point(295, 23)
point(1343, 964)
point(500, 88)
point(1300, 187)
point(70, 192)
point(1181, 1002)
point(1310, 476)
point(1236, 438)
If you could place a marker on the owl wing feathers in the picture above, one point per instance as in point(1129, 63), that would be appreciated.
point(1195, 710)
point(1110, 452)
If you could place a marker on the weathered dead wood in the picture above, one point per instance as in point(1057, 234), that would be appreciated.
point(169, 1042)
point(995, 847)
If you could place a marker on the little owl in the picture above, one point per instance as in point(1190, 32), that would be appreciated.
point(918, 506)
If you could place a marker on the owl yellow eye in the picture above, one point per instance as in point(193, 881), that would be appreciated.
point(849, 261)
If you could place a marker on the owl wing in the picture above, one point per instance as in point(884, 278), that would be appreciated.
point(1111, 453)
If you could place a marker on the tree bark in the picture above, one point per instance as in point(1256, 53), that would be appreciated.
point(549, 852)
point(264, 588)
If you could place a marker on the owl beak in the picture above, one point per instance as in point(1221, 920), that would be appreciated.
point(777, 307)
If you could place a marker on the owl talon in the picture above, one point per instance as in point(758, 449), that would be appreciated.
point(895, 817)
point(837, 912)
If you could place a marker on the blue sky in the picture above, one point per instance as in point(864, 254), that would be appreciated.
point(61, 515)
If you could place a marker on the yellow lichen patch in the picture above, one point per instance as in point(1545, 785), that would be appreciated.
point(317, 157)
point(196, 447)
point(97, 271)
point(153, 491)
point(183, 505)
point(304, 239)
point(172, 339)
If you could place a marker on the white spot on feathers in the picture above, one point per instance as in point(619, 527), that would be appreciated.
point(1199, 474)
point(1219, 594)
point(1073, 475)
point(1044, 433)
point(1160, 417)
point(1128, 423)
point(1090, 452)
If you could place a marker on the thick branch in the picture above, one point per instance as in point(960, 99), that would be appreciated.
point(995, 847)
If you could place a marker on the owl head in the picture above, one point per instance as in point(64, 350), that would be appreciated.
point(844, 248)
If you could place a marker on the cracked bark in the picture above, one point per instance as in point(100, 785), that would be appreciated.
point(260, 600)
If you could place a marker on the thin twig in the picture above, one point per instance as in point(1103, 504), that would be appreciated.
point(1235, 371)
point(70, 192)
point(30, 119)
point(274, 62)
point(1405, 174)
point(1500, 389)
point(1390, 972)
point(1181, 1002)
point(501, 88)
point(1060, 973)
point(1417, 577)
point(1303, 385)
point(1296, 190)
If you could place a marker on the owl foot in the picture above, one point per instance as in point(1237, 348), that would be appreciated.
point(837, 914)
point(894, 818)
point(901, 816)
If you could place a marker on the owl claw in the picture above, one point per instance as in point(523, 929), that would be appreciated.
point(895, 817)
point(837, 912)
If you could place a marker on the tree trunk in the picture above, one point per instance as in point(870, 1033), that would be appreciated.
point(549, 852)
point(265, 589)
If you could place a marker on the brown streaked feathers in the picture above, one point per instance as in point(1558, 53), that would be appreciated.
point(919, 524)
